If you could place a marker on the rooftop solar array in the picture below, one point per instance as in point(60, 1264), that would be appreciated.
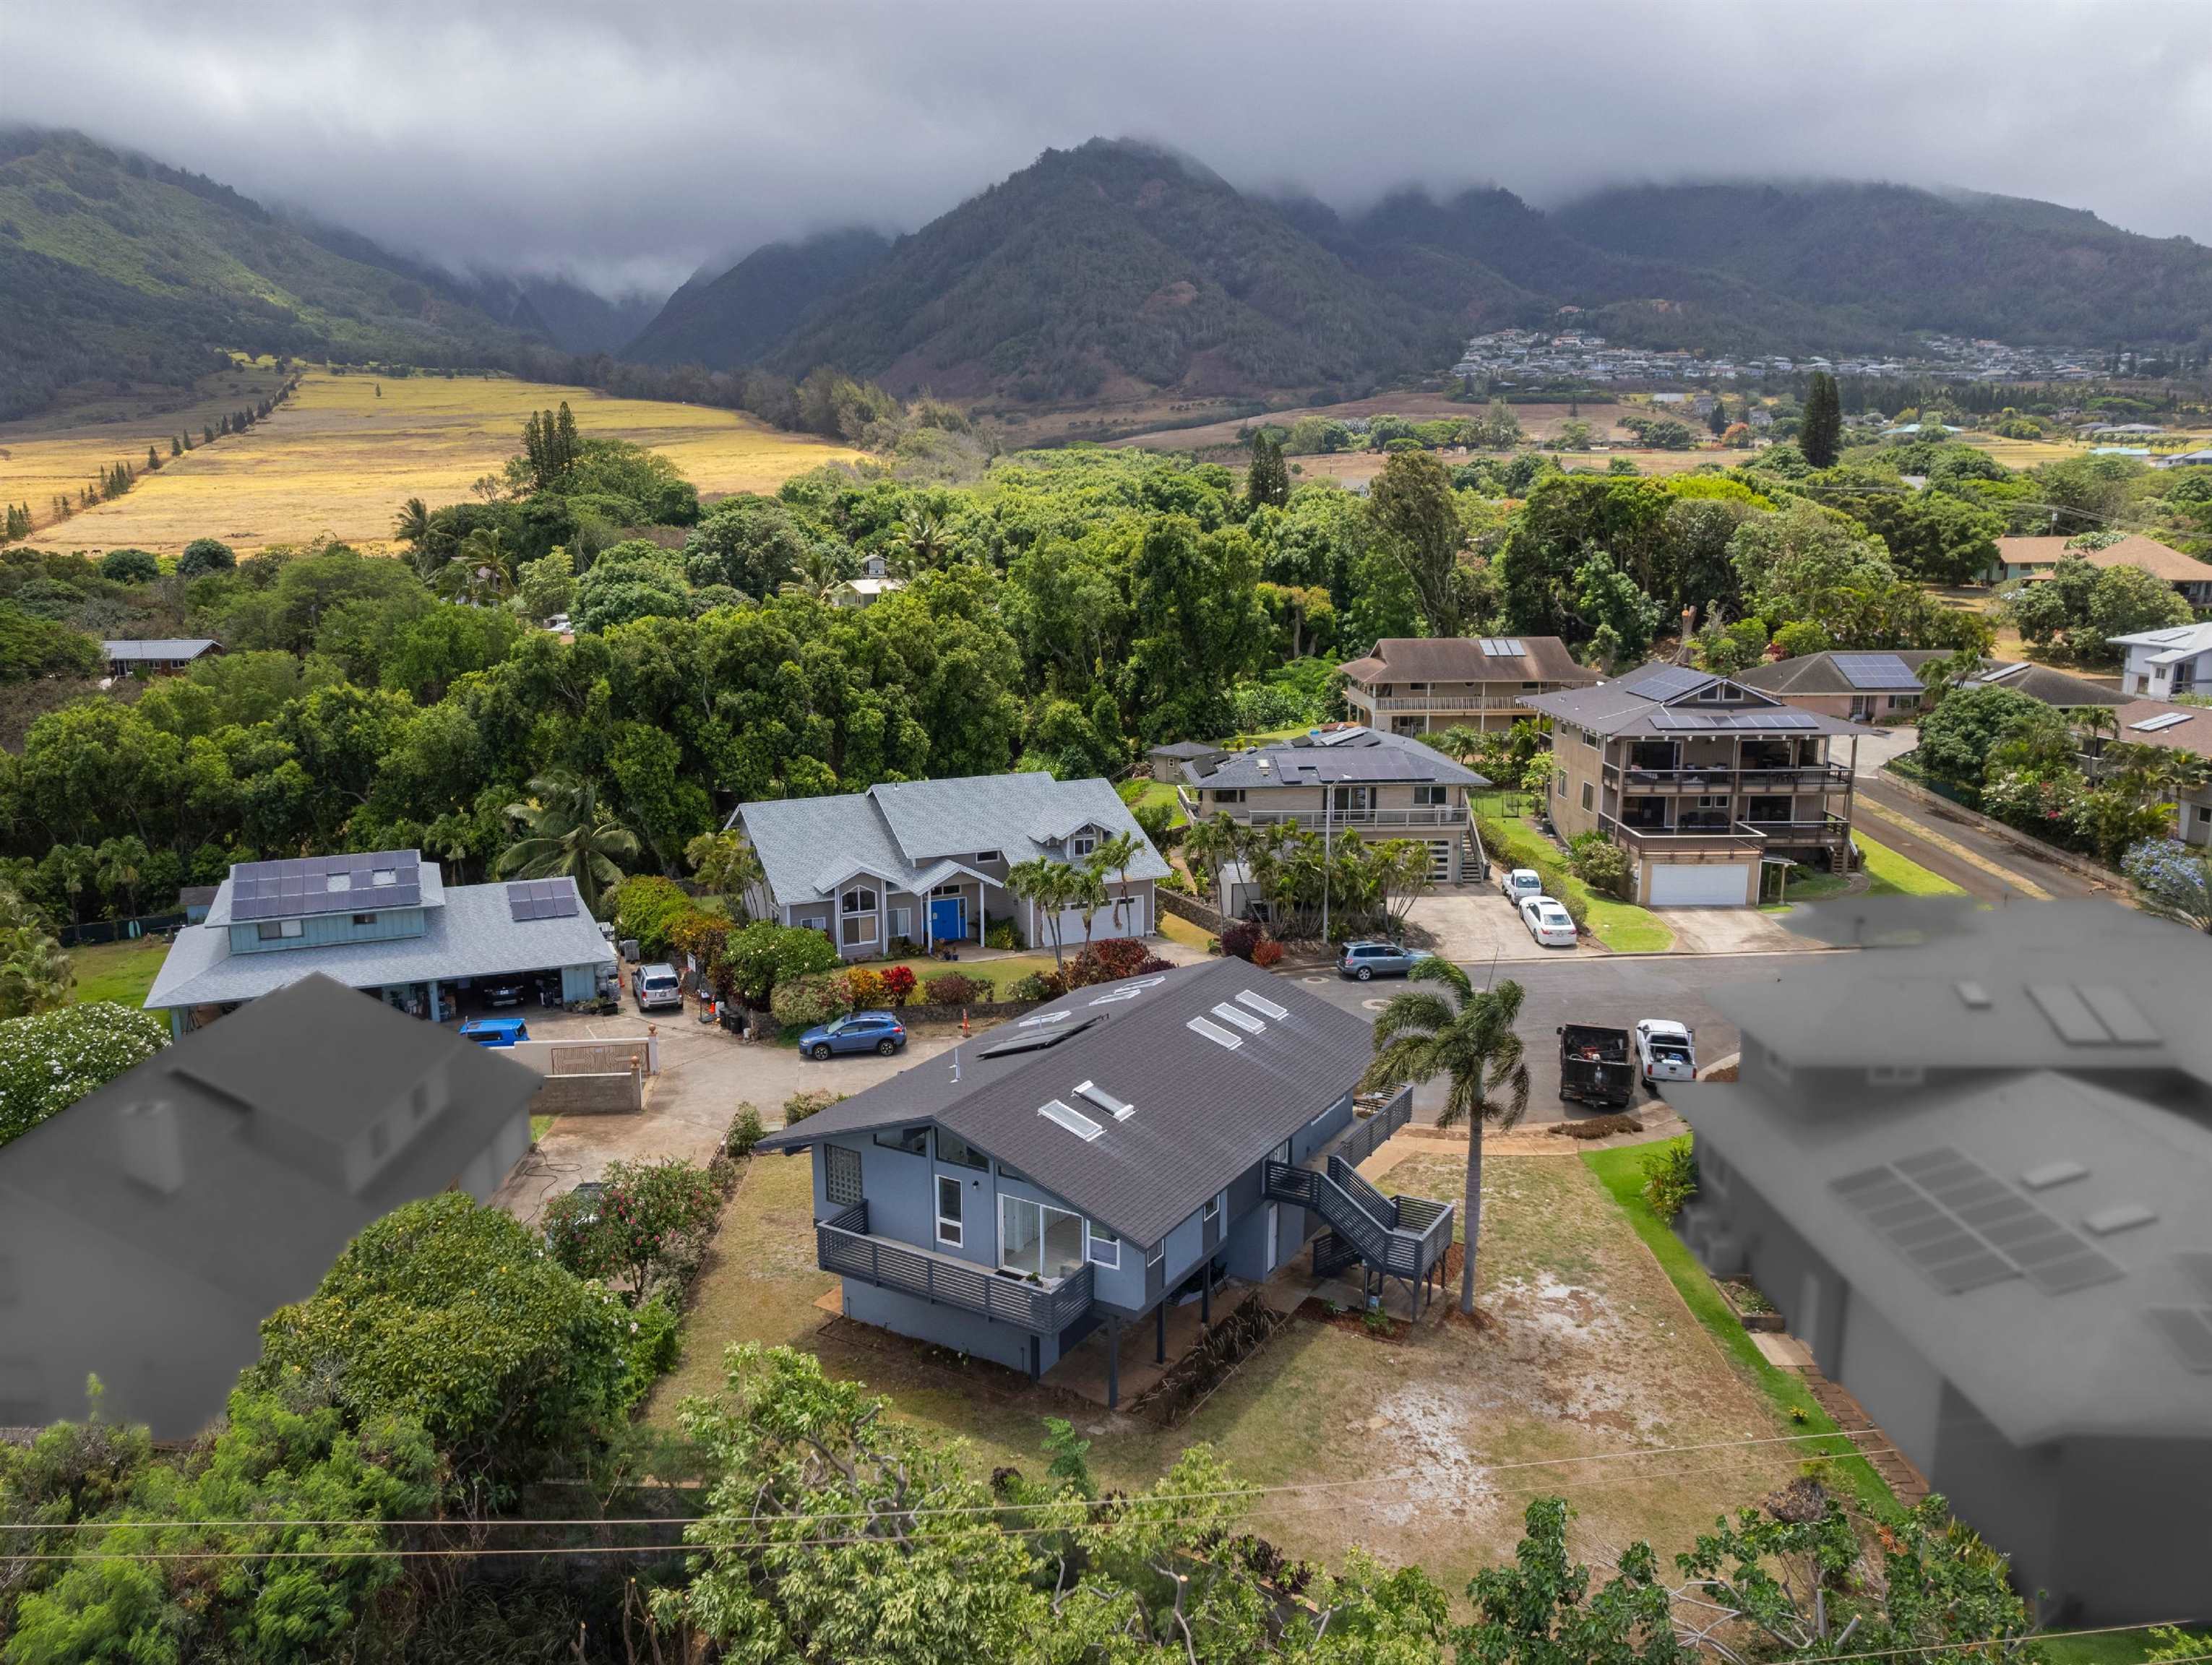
point(2085, 1015)
point(325, 884)
point(1999, 672)
point(1674, 680)
point(2164, 719)
point(1964, 1229)
point(1875, 671)
point(541, 899)
point(1675, 719)
point(1502, 647)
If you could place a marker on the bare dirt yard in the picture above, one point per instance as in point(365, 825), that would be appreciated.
point(1424, 1447)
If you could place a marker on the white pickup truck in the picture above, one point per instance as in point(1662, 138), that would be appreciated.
point(1519, 884)
point(1665, 1051)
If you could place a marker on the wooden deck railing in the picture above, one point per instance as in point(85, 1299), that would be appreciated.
point(843, 1246)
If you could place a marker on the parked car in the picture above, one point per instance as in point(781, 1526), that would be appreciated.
point(495, 1031)
point(1595, 1066)
point(1664, 1051)
point(1366, 960)
point(859, 1031)
point(656, 985)
point(591, 1191)
point(1549, 923)
point(503, 991)
point(1519, 884)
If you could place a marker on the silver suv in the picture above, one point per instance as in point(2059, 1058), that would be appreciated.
point(1366, 960)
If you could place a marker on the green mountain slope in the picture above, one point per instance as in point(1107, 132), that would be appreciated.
point(2003, 267)
point(153, 271)
point(1116, 264)
point(733, 321)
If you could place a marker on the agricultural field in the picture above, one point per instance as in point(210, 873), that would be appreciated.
point(347, 449)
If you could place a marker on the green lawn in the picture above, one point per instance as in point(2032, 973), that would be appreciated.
point(120, 971)
point(996, 972)
point(1894, 876)
point(538, 1124)
point(1136, 793)
point(1620, 1170)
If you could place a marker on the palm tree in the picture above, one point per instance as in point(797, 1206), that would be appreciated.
point(1114, 854)
point(922, 538)
point(1459, 743)
point(726, 865)
point(1046, 884)
point(1468, 1034)
point(479, 575)
point(1211, 844)
point(413, 524)
point(566, 832)
point(1086, 888)
point(35, 974)
point(120, 866)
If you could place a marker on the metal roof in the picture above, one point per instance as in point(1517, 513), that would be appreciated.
point(298, 888)
point(1354, 755)
point(1665, 700)
point(475, 934)
point(159, 647)
point(1203, 1113)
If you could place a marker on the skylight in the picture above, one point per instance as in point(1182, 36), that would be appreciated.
point(1215, 1033)
point(2053, 1173)
point(1120, 1109)
point(1116, 997)
point(2164, 719)
point(1070, 1118)
point(1999, 672)
point(1040, 1019)
point(1261, 1003)
point(1243, 1020)
point(1976, 997)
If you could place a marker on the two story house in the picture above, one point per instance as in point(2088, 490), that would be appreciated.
point(1701, 780)
point(1362, 782)
point(2184, 730)
point(925, 862)
point(1078, 1170)
point(1885, 687)
point(1414, 684)
point(1970, 1172)
point(384, 921)
point(2162, 665)
point(147, 1230)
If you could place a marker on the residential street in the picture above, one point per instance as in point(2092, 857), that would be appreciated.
point(1989, 869)
point(1607, 990)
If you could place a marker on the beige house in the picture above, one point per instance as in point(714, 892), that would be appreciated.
point(1702, 781)
point(2170, 727)
point(1415, 684)
point(2033, 558)
point(1362, 781)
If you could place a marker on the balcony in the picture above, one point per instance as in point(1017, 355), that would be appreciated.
point(1738, 838)
point(1439, 703)
point(1828, 832)
point(842, 1245)
point(1411, 818)
point(1721, 777)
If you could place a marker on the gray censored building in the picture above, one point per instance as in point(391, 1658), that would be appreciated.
point(147, 1231)
point(384, 922)
point(1077, 1170)
point(1973, 1176)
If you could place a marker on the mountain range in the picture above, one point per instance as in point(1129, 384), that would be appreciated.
point(1109, 270)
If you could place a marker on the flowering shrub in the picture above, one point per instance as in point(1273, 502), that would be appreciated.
point(1109, 960)
point(953, 988)
point(899, 984)
point(2171, 881)
point(49, 1061)
point(805, 1001)
point(644, 1226)
point(863, 987)
point(1267, 952)
point(1038, 986)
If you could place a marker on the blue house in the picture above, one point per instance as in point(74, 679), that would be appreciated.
point(386, 922)
point(1083, 1167)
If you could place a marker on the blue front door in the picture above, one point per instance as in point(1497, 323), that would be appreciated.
point(948, 918)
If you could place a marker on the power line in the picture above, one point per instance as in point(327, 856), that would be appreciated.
point(1389, 1478)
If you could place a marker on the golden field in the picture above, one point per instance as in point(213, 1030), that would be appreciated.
point(340, 458)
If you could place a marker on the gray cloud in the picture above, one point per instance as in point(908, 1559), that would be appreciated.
point(627, 143)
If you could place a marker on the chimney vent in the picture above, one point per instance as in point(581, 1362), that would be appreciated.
point(153, 1142)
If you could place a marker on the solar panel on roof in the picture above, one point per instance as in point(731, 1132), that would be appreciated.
point(531, 899)
point(2188, 1331)
point(1668, 719)
point(1964, 1228)
point(295, 887)
point(2164, 719)
point(1674, 679)
point(1875, 671)
point(1998, 673)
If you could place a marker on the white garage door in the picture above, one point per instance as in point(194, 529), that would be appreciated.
point(1124, 916)
point(1683, 885)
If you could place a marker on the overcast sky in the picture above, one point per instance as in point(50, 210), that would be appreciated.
point(627, 142)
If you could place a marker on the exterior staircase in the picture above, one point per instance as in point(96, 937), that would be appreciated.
point(1401, 1237)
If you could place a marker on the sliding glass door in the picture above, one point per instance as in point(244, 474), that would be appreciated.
point(1038, 1239)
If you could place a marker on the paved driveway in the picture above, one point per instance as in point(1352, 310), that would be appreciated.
point(1473, 924)
point(705, 1074)
point(1728, 931)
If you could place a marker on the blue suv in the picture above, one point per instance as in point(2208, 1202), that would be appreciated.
point(860, 1031)
point(1364, 960)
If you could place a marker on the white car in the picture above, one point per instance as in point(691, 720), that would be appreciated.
point(1549, 923)
point(1664, 1051)
point(1520, 884)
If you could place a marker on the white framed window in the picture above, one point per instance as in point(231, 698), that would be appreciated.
point(950, 1223)
point(1102, 1247)
point(277, 930)
point(858, 910)
point(1081, 844)
point(1586, 795)
point(1430, 797)
point(1211, 1214)
point(901, 921)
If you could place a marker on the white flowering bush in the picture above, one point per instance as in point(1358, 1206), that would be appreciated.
point(49, 1061)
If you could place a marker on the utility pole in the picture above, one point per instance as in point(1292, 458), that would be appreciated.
point(1327, 803)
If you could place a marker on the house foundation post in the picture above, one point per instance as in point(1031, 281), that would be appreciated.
point(1160, 1326)
point(1037, 1349)
point(1205, 1296)
point(1113, 1363)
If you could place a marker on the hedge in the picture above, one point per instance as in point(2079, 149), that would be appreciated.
point(1530, 851)
point(49, 1061)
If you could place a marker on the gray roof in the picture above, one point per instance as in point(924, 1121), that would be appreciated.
point(916, 835)
point(1184, 749)
point(2175, 643)
point(1205, 1113)
point(271, 1108)
point(1662, 699)
point(473, 934)
point(1342, 755)
point(159, 647)
point(2040, 682)
point(1826, 673)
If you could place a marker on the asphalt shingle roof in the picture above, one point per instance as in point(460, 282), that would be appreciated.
point(1205, 1113)
point(1460, 659)
point(905, 832)
point(159, 647)
point(1628, 706)
point(1348, 754)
